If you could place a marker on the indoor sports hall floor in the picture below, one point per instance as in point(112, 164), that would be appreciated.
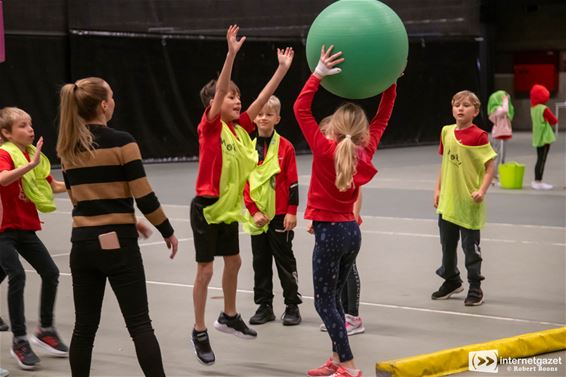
point(523, 246)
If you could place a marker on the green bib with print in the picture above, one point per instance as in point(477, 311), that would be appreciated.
point(262, 186)
point(463, 169)
point(239, 158)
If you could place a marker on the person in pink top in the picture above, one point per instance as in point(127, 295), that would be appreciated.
point(501, 112)
point(341, 165)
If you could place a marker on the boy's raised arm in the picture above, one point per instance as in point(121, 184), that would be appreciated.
point(285, 58)
point(223, 83)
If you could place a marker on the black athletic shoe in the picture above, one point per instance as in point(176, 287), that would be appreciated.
point(447, 289)
point(50, 342)
point(204, 352)
point(235, 326)
point(3, 325)
point(263, 315)
point(22, 352)
point(292, 315)
point(474, 297)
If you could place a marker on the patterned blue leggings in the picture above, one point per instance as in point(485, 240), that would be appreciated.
point(335, 250)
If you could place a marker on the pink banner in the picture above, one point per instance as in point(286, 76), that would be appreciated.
point(2, 54)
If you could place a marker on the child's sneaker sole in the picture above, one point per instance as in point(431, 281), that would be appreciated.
point(47, 348)
point(228, 330)
point(23, 366)
point(445, 297)
point(474, 303)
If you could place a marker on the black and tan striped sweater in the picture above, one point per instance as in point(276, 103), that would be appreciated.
point(103, 189)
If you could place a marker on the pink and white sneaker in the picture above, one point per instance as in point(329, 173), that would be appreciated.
point(354, 325)
point(342, 372)
point(325, 370)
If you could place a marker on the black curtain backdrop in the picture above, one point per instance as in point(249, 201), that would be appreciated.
point(158, 54)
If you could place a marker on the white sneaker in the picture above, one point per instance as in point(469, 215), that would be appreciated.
point(546, 186)
point(354, 325)
point(323, 328)
point(536, 185)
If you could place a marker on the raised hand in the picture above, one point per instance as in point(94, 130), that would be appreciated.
point(285, 57)
point(36, 157)
point(234, 44)
point(328, 61)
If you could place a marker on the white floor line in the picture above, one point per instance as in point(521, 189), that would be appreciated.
point(427, 235)
point(371, 304)
point(59, 255)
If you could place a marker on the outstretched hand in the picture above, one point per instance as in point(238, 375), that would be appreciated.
point(36, 157)
point(285, 57)
point(234, 44)
point(328, 61)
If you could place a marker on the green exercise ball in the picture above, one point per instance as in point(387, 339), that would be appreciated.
point(374, 43)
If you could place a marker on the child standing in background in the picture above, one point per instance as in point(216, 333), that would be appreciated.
point(501, 112)
point(272, 197)
point(543, 134)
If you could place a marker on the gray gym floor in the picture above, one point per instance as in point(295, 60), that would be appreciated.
point(523, 247)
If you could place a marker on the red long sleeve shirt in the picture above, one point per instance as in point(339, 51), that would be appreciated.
point(325, 202)
point(284, 202)
point(210, 152)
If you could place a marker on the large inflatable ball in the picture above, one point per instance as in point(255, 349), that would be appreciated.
point(374, 43)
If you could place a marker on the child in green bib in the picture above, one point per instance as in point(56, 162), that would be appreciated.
point(226, 158)
point(467, 170)
point(543, 121)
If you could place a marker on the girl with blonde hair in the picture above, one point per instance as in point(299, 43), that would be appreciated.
point(341, 165)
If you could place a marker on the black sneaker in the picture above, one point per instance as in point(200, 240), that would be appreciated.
point(292, 315)
point(204, 352)
point(235, 326)
point(50, 342)
point(447, 289)
point(263, 315)
point(474, 297)
point(22, 352)
point(3, 325)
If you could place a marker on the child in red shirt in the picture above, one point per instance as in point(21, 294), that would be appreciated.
point(17, 237)
point(226, 157)
point(341, 165)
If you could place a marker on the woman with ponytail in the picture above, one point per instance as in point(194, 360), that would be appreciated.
point(104, 174)
point(341, 165)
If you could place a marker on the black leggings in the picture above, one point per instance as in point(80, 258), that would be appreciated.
point(542, 152)
point(91, 267)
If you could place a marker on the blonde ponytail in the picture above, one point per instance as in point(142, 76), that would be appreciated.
point(350, 128)
point(79, 104)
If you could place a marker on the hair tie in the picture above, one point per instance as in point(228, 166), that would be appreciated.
point(75, 87)
point(348, 136)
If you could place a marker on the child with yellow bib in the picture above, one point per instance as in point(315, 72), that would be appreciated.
point(467, 170)
point(226, 158)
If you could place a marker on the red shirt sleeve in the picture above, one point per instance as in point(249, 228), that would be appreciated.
point(483, 139)
point(250, 204)
point(381, 119)
point(549, 117)
point(441, 147)
point(291, 174)
point(314, 137)
point(49, 178)
point(246, 123)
